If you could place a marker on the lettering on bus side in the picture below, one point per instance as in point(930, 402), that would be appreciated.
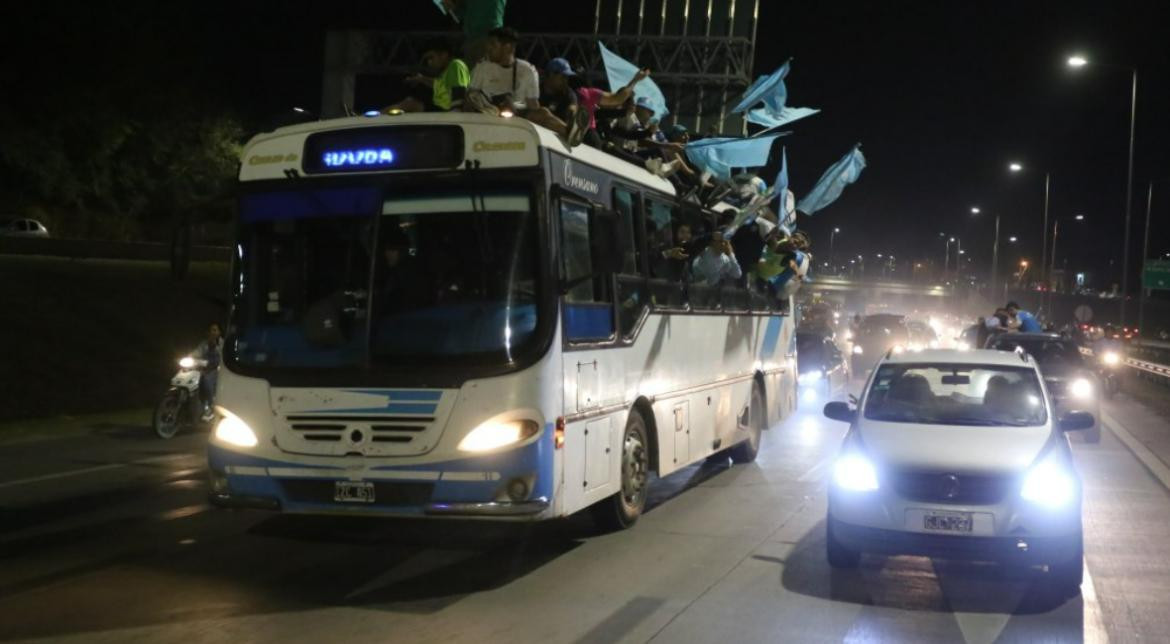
point(580, 178)
point(502, 146)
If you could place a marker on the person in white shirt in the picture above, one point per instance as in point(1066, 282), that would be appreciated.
point(503, 82)
point(716, 263)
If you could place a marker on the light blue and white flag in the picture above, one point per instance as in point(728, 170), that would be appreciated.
point(769, 119)
point(621, 71)
point(781, 185)
point(719, 155)
point(833, 181)
point(770, 89)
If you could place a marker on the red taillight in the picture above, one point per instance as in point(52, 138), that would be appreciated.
point(559, 433)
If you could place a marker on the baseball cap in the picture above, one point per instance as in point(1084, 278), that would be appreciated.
point(560, 66)
point(677, 130)
point(645, 103)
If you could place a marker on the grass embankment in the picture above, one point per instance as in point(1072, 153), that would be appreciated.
point(89, 336)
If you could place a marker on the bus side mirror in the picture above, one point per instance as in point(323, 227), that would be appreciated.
point(606, 239)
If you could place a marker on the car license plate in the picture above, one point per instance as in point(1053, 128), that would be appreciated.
point(947, 521)
point(353, 491)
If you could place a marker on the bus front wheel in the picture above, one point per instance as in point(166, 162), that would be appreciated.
point(623, 509)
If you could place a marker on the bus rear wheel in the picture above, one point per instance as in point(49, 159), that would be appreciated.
point(746, 451)
point(622, 510)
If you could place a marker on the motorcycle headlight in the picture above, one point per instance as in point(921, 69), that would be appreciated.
point(234, 431)
point(187, 362)
point(1050, 484)
point(857, 350)
point(1111, 358)
point(1080, 388)
point(494, 435)
point(810, 377)
point(855, 473)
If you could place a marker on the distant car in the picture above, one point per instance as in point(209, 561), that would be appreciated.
point(23, 228)
point(958, 454)
point(822, 370)
point(876, 335)
point(922, 336)
point(1072, 381)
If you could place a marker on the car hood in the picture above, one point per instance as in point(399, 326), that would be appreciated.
point(951, 448)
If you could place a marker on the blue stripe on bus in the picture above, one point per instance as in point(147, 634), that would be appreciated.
point(389, 408)
point(588, 322)
point(401, 394)
point(771, 336)
point(427, 402)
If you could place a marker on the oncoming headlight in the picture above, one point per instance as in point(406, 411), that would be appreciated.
point(810, 377)
point(1111, 358)
point(1050, 484)
point(233, 431)
point(494, 435)
point(857, 350)
point(855, 473)
point(1080, 388)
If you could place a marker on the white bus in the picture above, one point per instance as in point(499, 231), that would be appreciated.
point(455, 315)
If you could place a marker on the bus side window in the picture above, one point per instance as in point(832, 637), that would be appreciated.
point(667, 275)
point(631, 286)
point(588, 307)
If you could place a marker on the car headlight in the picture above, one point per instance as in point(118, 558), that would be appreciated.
point(1080, 388)
point(234, 431)
point(494, 435)
point(855, 473)
point(1111, 358)
point(187, 362)
point(1050, 484)
point(857, 350)
point(899, 348)
point(810, 377)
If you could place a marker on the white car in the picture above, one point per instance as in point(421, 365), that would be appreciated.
point(23, 228)
point(958, 455)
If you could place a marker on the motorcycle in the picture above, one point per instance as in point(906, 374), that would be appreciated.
point(1110, 372)
point(181, 407)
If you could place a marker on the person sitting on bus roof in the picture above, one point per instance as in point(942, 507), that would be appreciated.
point(716, 264)
point(443, 86)
point(560, 110)
point(1023, 320)
point(502, 84)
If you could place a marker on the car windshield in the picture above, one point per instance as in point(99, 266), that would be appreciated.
point(884, 327)
point(1049, 353)
point(956, 394)
point(348, 277)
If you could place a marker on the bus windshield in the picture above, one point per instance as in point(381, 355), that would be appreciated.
point(363, 277)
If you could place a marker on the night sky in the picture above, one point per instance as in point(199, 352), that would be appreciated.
point(941, 94)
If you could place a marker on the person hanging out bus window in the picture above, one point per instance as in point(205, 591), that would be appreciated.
point(502, 84)
point(443, 85)
point(716, 265)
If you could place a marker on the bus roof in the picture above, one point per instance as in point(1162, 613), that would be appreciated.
point(480, 124)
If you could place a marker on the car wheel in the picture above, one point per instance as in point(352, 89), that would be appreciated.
point(1066, 576)
point(622, 510)
point(747, 451)
point(838, 555)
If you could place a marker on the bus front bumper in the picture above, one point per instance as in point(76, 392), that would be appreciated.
point(512, 485)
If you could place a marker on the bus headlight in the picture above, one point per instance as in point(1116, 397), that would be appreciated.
point(1080, 388)
point(494, 435)
point(810, 377)
point(1049, 484)
point(855, 473)
point(234, 431)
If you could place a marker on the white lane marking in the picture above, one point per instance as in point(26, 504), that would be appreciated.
point(1143, 453)
point(91, 470)
point(1094, 624)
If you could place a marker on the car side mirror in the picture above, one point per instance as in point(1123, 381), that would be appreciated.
point(842, 412)
point(1076, 420)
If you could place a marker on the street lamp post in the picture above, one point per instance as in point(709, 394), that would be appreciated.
point(832, 238)
point(994, 251)
point(1017, 167)
point(1081, 61)
point(1052, 268)
point(1145, 254)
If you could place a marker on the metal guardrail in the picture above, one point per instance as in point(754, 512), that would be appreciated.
point(1141, 365)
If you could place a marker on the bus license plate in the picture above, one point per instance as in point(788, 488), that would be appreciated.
point(947, 521)
point(353, 491)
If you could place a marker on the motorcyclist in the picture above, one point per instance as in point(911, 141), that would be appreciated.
point(211, 350)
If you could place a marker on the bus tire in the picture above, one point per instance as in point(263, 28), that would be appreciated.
point(622, 510)
point(746, 451)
